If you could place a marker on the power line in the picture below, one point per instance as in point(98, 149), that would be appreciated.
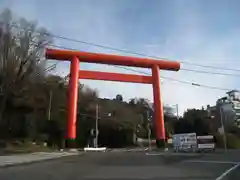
point(155, 57)
point(142, 54)
point(208, 72)
point(162, 77)
point(136, 53)
point(180, 81)
point(168, 78)
point(184, 69)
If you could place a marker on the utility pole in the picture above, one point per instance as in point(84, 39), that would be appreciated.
point(50, 105)
point(223, 129)
point(149, 131)
point(177, 111)
point(96, 127)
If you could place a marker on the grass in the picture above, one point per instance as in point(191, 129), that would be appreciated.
point(18, 147)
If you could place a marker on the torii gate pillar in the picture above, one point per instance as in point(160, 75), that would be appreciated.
point(158, 108)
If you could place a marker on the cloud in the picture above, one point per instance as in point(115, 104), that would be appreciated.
point(177, 30)
point(215, 52)
point(191, 43)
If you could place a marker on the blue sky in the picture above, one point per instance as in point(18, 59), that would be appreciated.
point(204, 32)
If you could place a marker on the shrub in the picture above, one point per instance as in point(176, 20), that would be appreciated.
point(233, 142)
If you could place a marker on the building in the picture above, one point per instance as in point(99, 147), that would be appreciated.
point(168, 110)
point(227, 109)
point(212, 111)
point(234, 99)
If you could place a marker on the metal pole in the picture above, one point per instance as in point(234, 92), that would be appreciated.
point(50, 105)
point(177, 111)
point(96, 126)
point(223, 128)
point(149, 132)
point(149, 137)
point(225, 137)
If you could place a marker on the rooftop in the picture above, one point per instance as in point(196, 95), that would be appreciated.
point(232, 91)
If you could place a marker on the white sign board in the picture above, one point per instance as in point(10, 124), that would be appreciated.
point(186, 141)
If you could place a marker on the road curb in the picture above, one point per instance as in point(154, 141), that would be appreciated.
point(126, 150)
point(38, 160)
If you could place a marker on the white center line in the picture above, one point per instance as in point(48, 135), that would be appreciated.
point(172, 154)
point(213, 162)
point(228, 171)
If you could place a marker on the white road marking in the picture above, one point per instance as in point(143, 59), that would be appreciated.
point(172, 154)
point(222, 176)
point(228, 171)
point(213, 162)
point(154, 154)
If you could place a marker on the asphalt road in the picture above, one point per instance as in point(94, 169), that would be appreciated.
point(128, 165)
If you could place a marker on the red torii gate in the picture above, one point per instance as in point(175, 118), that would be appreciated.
point(75, 57)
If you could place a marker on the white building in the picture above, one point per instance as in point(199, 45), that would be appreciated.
point(229, 107)
point(169, 110)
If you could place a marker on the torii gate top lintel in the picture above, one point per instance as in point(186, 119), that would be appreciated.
point(111, 59)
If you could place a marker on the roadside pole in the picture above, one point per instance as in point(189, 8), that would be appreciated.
point(96, 127)
point(223, 129)
point(149, 137)
point(177, 111)
point(50, 105)
point(149, 132)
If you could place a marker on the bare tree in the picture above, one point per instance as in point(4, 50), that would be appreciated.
point(21, 56)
